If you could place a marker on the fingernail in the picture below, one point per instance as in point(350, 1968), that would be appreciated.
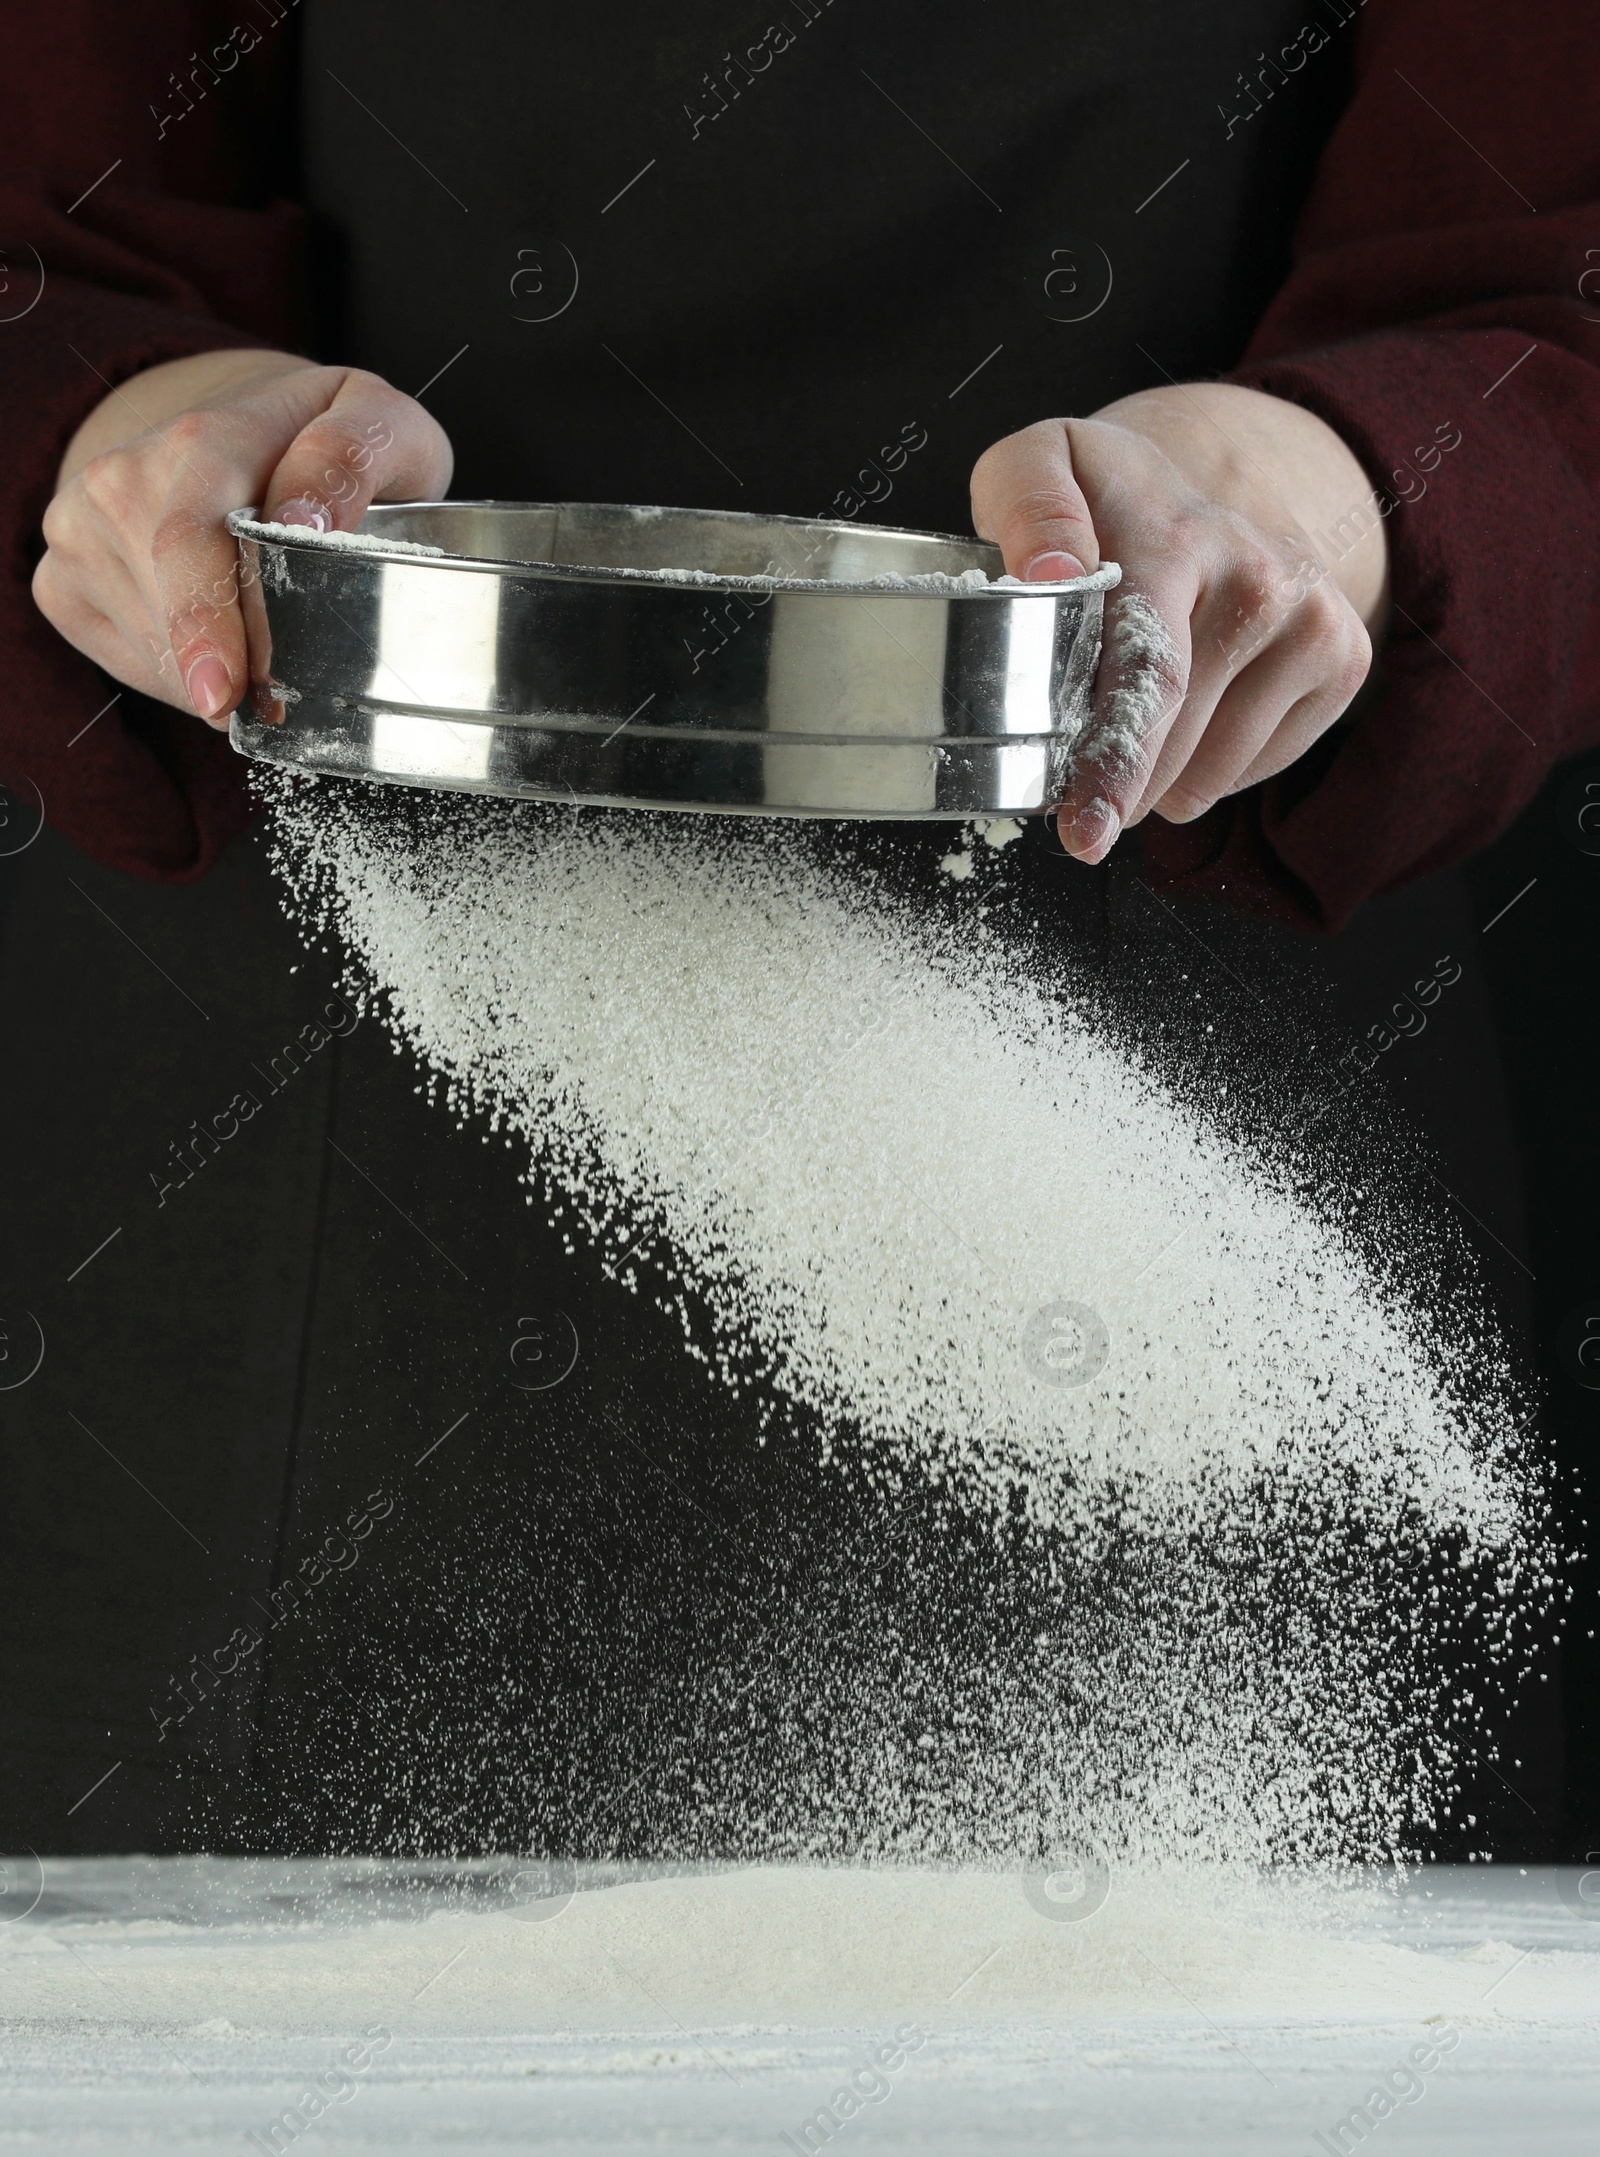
point(210, 690)
point(1092, 832)
point(1053, 569)
point(302, 510)
point(268, 707)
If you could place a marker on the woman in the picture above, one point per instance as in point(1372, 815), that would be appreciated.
point(724, 262)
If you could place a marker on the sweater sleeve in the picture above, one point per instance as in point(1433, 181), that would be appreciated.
point(164, 256)
point(1443, 316)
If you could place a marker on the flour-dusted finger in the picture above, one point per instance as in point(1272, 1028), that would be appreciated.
point(1139, 692)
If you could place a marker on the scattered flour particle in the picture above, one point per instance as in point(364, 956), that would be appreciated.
point(996, 832)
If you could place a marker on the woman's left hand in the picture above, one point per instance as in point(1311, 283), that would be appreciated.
point(1254, 575)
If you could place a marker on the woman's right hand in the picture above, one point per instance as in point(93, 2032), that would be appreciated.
point(141, 572)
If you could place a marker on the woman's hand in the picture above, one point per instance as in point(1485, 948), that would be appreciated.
point(142, 574)
point(1236, 637)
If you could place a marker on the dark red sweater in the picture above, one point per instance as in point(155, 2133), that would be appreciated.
point(1453, 236)
point(1447, 276)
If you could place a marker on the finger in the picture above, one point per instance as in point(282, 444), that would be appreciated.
point(1307, 721)
point(195, 567)
point(1302, 725)
point(1246, 612)
point(1026, 499)
point(115, 598)
point(211, 459)
point(1244, 721)
point(1297, 677)
point(1235, 621)
point(112, 628)
point(371, 442)
point(86, 587)
point(1139, 692)
point(82, 624)
point(337, 436)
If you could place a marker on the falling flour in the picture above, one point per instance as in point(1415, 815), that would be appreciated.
point(902, 1193)
point(994, 832)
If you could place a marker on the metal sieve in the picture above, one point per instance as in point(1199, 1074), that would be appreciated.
point(666, 658)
